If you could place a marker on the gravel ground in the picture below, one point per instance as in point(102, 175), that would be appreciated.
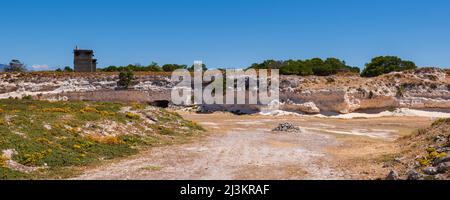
point(245, 147)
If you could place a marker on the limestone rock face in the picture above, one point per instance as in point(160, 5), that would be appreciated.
point(417, 89)
point(423, 88)
point(52, 86)
point(308, 107)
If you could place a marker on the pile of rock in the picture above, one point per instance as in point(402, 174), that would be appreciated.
point(286, 127)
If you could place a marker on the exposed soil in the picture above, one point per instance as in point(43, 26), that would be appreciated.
point(244, 147)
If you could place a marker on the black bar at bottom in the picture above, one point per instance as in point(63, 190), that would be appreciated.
point(221, 189)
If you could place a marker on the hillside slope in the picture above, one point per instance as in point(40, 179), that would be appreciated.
point(424, 155)
point(40, 139)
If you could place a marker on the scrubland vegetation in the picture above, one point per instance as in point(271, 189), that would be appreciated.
point(316, 66)
point(331, 66)
point(424, 155)
point(41, 139)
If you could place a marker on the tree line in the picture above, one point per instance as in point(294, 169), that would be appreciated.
point(331, 66)
point(15, 66)
point(153, 67)
point(315, 66)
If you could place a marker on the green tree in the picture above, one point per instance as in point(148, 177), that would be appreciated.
point(319, 67)
point(110, 69)
point(268, 64)
point(315, 66)
point(68, 69)
point(173, 67)
point(15, 66)
point(386, 64)
point(292, 67)
point(356, 70)
point(153, 67)
point(125, 79)
point(204, 68)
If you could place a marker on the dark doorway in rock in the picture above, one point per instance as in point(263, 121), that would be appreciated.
point(160, 103)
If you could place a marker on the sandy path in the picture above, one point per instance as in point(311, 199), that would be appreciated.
point(243, 147)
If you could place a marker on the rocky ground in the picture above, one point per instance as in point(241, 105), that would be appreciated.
point(424, 155)
point(70, 86)
point(248, 147)
point(41, 139)
point(319, 133)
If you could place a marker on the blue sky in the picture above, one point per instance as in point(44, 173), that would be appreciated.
point(224, 33)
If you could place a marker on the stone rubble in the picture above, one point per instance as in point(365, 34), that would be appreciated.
point(286, 127)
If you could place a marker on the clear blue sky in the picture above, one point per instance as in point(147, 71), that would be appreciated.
point(223, 33)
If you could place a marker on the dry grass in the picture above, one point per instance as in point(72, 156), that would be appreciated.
point(420, 148)
point(111, 140)
point(64, 135)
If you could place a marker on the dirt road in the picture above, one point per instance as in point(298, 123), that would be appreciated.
point(244, 147)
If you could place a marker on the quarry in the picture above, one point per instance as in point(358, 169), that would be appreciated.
point(326, 127)
point(427, 88)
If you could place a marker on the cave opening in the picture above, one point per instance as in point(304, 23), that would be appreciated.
point(160, 103)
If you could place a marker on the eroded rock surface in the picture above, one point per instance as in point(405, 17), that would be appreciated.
point(423, 88)
point(419, 89)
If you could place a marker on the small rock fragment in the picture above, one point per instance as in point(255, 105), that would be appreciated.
point(441, 160)
point(413, 175)
point(48, 127)
point(430, 171)
point(398, 160)
point(440, 138)
point(286, 127)
point(393, 176)
point(9, 153)
point(443, 167)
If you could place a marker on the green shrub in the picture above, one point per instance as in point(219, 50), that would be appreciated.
point(6, 174)
point(15, 66)
point(386, 64)
point(28, 97)
point(315, 66)
point(173, 67)
point(132, 115)
point(133, 67)
point(125, 79)
point(166, 131)
point(3, 160)
point(401, 91)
